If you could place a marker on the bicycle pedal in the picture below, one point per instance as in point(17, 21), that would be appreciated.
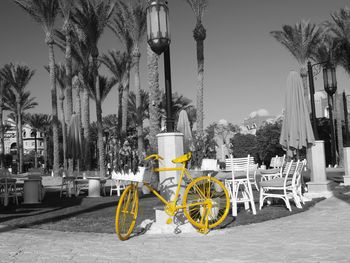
point(203, 231)
point(169, 221)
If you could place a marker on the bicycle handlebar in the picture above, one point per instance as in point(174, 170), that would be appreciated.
point(154, 156)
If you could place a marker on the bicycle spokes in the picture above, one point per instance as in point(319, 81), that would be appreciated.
point(206, 203)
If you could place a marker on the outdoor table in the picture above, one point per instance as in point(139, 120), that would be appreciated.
point(31, 191)
point(94, 186)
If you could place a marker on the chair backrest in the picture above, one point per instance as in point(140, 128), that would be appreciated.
point(245, 164)
point(209, 164)
point(293, 174)
point(296, 180)
point(240, 164)
point(277, 161)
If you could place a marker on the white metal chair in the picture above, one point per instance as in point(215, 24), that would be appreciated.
point(285, 187)
point(239, 186)
point(117, 184)
point(252, 171)
point(277, 164)
point(277, 161)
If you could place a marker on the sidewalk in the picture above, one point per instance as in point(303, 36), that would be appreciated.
point(321, 234)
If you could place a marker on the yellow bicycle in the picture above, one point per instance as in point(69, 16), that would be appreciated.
point(205, 201)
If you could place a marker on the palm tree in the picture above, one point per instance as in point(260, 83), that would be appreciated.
point(117, 62)
point(81, 66)
point(61, 80)
point(134, 16)
point(66, 8)
point(39, 123)
point(91, 18)
point(45, 12)
point(36, 123)
point(10, 104)
point(199, 35)
point(119, 27)
point(18, 76)
point(154, 98)
point(134, 111)
point(103, 87)
point(301, 40)
point(180, 102)
point(338, 33)
point(4, 85)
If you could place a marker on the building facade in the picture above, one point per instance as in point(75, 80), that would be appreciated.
point(28, 140)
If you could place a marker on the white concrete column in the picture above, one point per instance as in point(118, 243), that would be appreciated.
point(347, 165)
point(170, 146)
point(319, 185)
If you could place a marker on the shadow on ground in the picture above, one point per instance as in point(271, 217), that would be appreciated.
point(83, 214)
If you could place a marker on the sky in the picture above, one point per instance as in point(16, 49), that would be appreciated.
point(245, 68)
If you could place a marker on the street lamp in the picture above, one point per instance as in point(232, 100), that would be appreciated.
point(312, 98)
point(158, 37)
point(346, 119)
point(330, 86)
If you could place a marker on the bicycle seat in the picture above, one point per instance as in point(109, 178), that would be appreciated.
point(183, 158)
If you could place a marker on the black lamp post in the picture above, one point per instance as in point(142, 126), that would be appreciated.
point(330, 86)
point(158, 37)
point(346, 119)
point(312, 98)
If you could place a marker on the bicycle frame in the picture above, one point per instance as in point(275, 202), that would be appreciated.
point(177, 193)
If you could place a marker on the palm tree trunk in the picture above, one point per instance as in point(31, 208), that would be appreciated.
point(338, 114)
point(68, 90)
point(20, 138)
point(78, 100)
point(139, 124)
point(45, 151)
point(304, 76)
point(154, 98)
point(64, 134)
point(78, 112)
point(200, 64)
point(35, 150)
point(120, 101)
point(2, 145)
point(125, 83)
point(86, 127)
point(100, 145)
point(56, 155)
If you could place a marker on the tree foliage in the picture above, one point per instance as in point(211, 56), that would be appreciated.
point(243, 144)
point(267, 138)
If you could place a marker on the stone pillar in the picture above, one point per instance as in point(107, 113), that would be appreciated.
point(170, 146)
point(347, 165)
point(319, 185)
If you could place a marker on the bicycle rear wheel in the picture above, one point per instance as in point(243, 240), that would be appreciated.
point(126, 212)
point(206, 202)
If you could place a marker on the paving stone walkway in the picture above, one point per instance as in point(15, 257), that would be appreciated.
point(321, 234)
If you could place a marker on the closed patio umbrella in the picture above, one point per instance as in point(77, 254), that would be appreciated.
point(296, 130)
point(183, 126)
point(74, 140)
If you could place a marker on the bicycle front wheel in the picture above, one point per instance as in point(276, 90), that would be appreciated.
point(206, 202)
point(126, 212)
